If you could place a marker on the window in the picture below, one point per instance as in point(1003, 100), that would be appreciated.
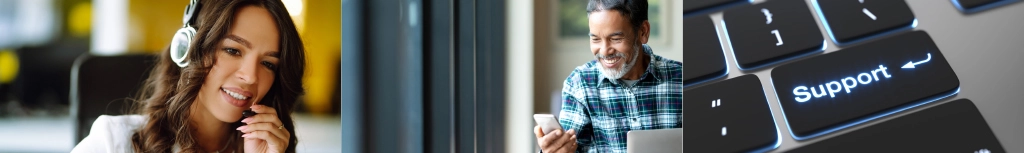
point(572, 18)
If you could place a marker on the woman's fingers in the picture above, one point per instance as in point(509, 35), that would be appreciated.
point(273, 142)
point(266, 127)
point(263, 118)
point(263, 109)
point(264, 115)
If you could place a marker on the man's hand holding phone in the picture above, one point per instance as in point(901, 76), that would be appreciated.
point(551, 137)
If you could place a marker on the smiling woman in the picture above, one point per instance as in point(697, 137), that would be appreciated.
point(230, 56)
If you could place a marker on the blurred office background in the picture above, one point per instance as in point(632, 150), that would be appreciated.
point(465, 75)
point(45, 95)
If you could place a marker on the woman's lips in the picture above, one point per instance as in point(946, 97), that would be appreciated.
point(236, 102)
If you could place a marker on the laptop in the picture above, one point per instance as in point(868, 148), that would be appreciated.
point(654, 141)
point(853, 75)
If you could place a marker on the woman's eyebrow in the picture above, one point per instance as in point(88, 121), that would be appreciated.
point(248, 45)
point(272, 54)
point(239, 40)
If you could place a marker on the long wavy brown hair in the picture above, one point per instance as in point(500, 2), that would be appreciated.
point(170, 91)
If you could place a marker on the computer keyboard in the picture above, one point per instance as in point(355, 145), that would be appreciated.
point(738, 109)
point(972, 6)
point(885, 67)
point(767, 32)
point(856, 84)
point(849, 21)
point(956, 126)
point(698, 6)
point(702, 46)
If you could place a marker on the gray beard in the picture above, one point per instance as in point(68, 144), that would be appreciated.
point(617, 74)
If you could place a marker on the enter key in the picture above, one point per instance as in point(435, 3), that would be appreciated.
point(861, 83)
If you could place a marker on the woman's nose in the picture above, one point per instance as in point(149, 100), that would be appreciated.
point(247, 72)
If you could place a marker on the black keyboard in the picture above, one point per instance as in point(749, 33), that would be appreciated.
point(884, 67)
point(860, 83)
point(744, 120)
point(955, 126)
point(703, 39)
point(770, 32)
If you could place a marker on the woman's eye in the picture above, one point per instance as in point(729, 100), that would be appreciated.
point(269, 65)
point(232, 51)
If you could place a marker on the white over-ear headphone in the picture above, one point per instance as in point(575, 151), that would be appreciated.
point(182, 41)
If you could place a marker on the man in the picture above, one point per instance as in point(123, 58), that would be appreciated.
point(626, 88)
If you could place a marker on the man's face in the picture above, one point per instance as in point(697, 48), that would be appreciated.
point(613, 42)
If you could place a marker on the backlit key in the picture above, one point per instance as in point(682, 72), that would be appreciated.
point(840, 89)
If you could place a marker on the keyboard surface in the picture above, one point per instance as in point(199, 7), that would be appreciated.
point(955, 126)
point(975, 55)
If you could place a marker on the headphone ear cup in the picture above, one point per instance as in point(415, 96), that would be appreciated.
point(180, 45)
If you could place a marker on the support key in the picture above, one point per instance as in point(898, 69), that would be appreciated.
point(854, 85)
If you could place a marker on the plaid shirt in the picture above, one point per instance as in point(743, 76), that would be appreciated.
point(602, 110)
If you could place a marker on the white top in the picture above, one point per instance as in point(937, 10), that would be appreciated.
point(111, 134)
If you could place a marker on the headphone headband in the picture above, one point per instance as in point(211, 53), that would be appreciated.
point(181, 43)
point(190, 12)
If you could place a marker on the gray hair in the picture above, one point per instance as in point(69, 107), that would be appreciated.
point(635, 10)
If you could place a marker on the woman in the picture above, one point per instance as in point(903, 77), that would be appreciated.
point(245, 54)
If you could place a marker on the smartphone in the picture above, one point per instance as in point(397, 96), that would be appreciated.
point(547, 122)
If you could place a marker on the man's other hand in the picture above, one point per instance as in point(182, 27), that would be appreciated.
point(557, 141)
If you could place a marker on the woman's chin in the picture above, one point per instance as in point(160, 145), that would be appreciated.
point(228, 117)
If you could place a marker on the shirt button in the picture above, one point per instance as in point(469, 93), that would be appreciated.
point(635, 124)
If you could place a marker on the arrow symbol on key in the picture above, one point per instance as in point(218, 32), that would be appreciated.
point(911, 64)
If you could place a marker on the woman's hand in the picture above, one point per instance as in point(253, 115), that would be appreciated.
point(264, 132)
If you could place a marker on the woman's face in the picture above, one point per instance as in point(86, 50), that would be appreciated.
point(246, 59)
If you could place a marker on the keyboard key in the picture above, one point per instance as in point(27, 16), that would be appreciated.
point(771, 31)
point(703, 58)
point(729, 116)
point(849, 21)
point(691, 6)
point(839, 89)
point(956, 126)
point(971, 6)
